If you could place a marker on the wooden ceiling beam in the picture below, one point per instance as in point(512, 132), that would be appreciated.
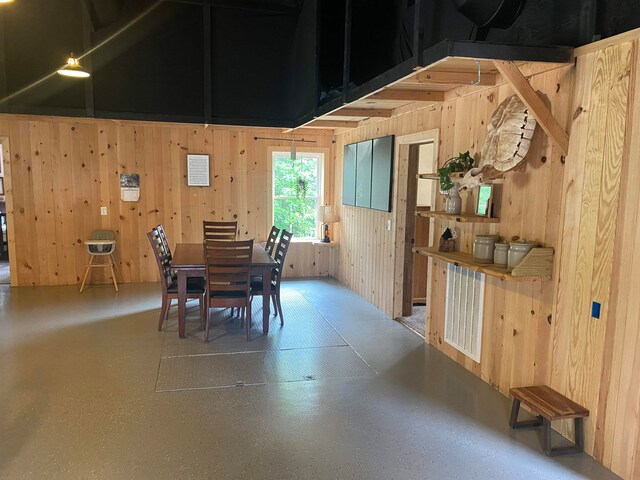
point(407, 95)
point(534, 103)
point(454, 79)
point(362, 112)
point(332, 124)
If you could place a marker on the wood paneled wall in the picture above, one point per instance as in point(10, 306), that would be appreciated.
point(586, 206)
point(60, 171)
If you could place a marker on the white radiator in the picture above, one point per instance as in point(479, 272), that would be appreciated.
point(463, 315)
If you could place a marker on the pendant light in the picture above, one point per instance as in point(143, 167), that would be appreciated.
point(293, 148)
point(73, 68)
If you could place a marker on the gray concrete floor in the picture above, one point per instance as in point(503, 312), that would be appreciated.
point(78, 400)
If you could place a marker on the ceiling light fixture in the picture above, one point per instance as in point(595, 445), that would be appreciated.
point(5, 1)
point(73, 68)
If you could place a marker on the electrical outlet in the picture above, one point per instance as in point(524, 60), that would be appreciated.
point(389, 225)
point(103, 211)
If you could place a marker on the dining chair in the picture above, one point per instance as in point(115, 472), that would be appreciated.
point(279, 256)
point(228, 270)
point(219, 230)
point(168, 281)
point(271, 240)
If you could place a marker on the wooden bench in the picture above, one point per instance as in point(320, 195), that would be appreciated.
point(548, 405)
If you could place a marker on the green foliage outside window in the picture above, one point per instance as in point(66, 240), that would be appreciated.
point(295, 194)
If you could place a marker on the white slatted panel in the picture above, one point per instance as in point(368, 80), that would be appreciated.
point(463, 314)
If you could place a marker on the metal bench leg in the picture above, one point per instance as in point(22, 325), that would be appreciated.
point(577, 447)
point(513, 420)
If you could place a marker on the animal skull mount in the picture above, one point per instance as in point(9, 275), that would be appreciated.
point(508, 140)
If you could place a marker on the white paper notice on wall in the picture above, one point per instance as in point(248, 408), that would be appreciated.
point(129, 187)
point(197, 170)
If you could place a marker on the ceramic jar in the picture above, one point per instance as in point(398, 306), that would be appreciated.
point(501, 254)
point(518, 250)
point(483, 247)
point(453, 201)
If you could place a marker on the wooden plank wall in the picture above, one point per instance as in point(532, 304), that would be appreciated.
point(595, 361)
point(587, 208)
point(365, 262)
point(61, 170)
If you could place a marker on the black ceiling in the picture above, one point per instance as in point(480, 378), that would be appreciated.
point(249, 62)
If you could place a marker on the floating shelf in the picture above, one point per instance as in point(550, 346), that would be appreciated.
point(461, 218)
point(537, 265)
point(455, 176)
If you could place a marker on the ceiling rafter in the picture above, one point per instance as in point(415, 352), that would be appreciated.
point(362, 112)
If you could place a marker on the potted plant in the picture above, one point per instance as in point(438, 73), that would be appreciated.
point(461, 163)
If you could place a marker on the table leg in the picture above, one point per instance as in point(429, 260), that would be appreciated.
point(266, 300)
point(182, 302)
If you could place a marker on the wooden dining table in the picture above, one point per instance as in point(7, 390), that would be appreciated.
point(188, 261)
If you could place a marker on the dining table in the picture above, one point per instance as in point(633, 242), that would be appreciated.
point(188, 261)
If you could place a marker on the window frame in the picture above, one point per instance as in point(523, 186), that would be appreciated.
point(320, 154)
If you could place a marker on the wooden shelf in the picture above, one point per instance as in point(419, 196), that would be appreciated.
point(461, 218)
point(537, 265)
point(455, 176)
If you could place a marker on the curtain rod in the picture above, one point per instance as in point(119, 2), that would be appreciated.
point(302, 140)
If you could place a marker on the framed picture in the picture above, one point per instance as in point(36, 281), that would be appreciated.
point(485, 201)
point(1, 185)
point(197, 170)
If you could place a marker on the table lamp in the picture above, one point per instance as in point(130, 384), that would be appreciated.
point(326, 215)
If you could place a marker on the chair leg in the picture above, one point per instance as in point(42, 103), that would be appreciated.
point(277, 297)
point(248, 312)
point(86, 273)
point(201, 305)
point(206, 321)
point(164, 311)
point(275, 306)
point(113, 275)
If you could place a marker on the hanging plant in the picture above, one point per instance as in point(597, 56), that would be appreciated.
point(462, 163)
point(301, 187)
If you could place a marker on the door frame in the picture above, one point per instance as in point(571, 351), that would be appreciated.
point(404, 212)
point(8, 198)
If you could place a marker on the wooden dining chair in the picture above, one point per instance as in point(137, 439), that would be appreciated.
point(168, 281)
point(228, 270)
point(219, 230)
point(279, 256)
point(271, 240)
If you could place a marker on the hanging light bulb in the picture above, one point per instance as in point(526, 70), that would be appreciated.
point(293, 148)
point(73, 68)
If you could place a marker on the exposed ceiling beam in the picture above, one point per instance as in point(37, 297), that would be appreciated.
point(272, 6)
point(534, 103)
point(407, 95)
point(332, 124)
point(361, 112)
point(454, 79)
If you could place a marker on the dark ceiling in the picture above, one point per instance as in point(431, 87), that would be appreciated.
point(247, 62)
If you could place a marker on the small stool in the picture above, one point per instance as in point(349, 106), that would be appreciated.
point(102, 244)
point(548, 405)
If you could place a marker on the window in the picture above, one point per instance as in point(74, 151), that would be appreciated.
point(297, 192)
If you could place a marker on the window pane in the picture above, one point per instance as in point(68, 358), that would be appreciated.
point(295, 178)
point(298, 215)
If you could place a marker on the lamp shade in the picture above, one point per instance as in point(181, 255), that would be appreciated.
point(326, 214)
point(73, 68)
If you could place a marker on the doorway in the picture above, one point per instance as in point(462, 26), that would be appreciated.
point(5, 275)
point(417, 153)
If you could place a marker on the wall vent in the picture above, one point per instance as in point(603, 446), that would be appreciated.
point(464, 307)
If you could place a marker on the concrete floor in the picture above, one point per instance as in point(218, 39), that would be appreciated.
point(78, 400)
point(4, 273)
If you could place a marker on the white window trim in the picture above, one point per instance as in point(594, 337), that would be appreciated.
point(320, 154)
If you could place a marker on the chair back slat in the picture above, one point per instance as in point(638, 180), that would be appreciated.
point(228, 267)
point(280, 255)
point(226, 231)
point(161, 251)
point(271, 240)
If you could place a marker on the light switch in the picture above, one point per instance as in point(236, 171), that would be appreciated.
point(389, 225)
point(103, 211)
